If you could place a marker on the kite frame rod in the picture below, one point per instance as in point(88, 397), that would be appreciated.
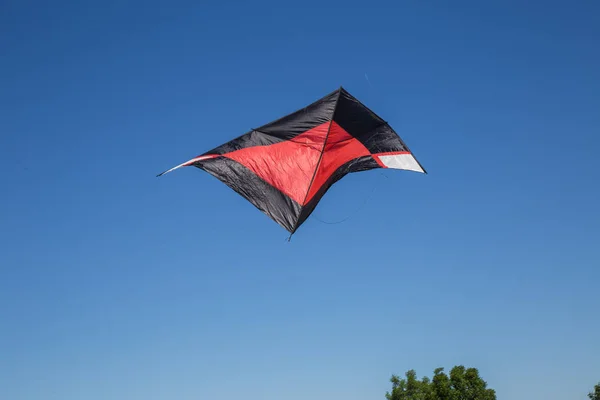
point(335, 107)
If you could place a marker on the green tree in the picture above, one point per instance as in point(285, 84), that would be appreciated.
point(410, 388)
point(461, 384)
point(595, 395)
point(441, 385)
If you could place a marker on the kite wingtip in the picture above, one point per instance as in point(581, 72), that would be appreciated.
point(188, 163)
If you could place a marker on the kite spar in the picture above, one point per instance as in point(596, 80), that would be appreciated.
point(285, 167)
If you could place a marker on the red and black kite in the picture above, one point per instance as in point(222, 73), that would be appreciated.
point(285, 167)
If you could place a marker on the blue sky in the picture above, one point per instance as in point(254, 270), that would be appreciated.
point(117, 285)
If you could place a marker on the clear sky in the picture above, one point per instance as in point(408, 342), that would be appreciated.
point(115, 284)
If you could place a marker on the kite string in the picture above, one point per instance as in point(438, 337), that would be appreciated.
point(366, 199)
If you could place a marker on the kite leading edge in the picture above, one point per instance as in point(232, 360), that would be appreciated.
point(285, 167)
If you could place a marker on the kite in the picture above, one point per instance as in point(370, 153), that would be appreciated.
point(285, 167)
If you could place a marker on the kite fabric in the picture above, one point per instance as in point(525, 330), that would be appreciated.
point(285, 167)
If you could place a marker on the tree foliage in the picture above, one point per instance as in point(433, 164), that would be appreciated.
point(595, 395)
point(461, 384)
